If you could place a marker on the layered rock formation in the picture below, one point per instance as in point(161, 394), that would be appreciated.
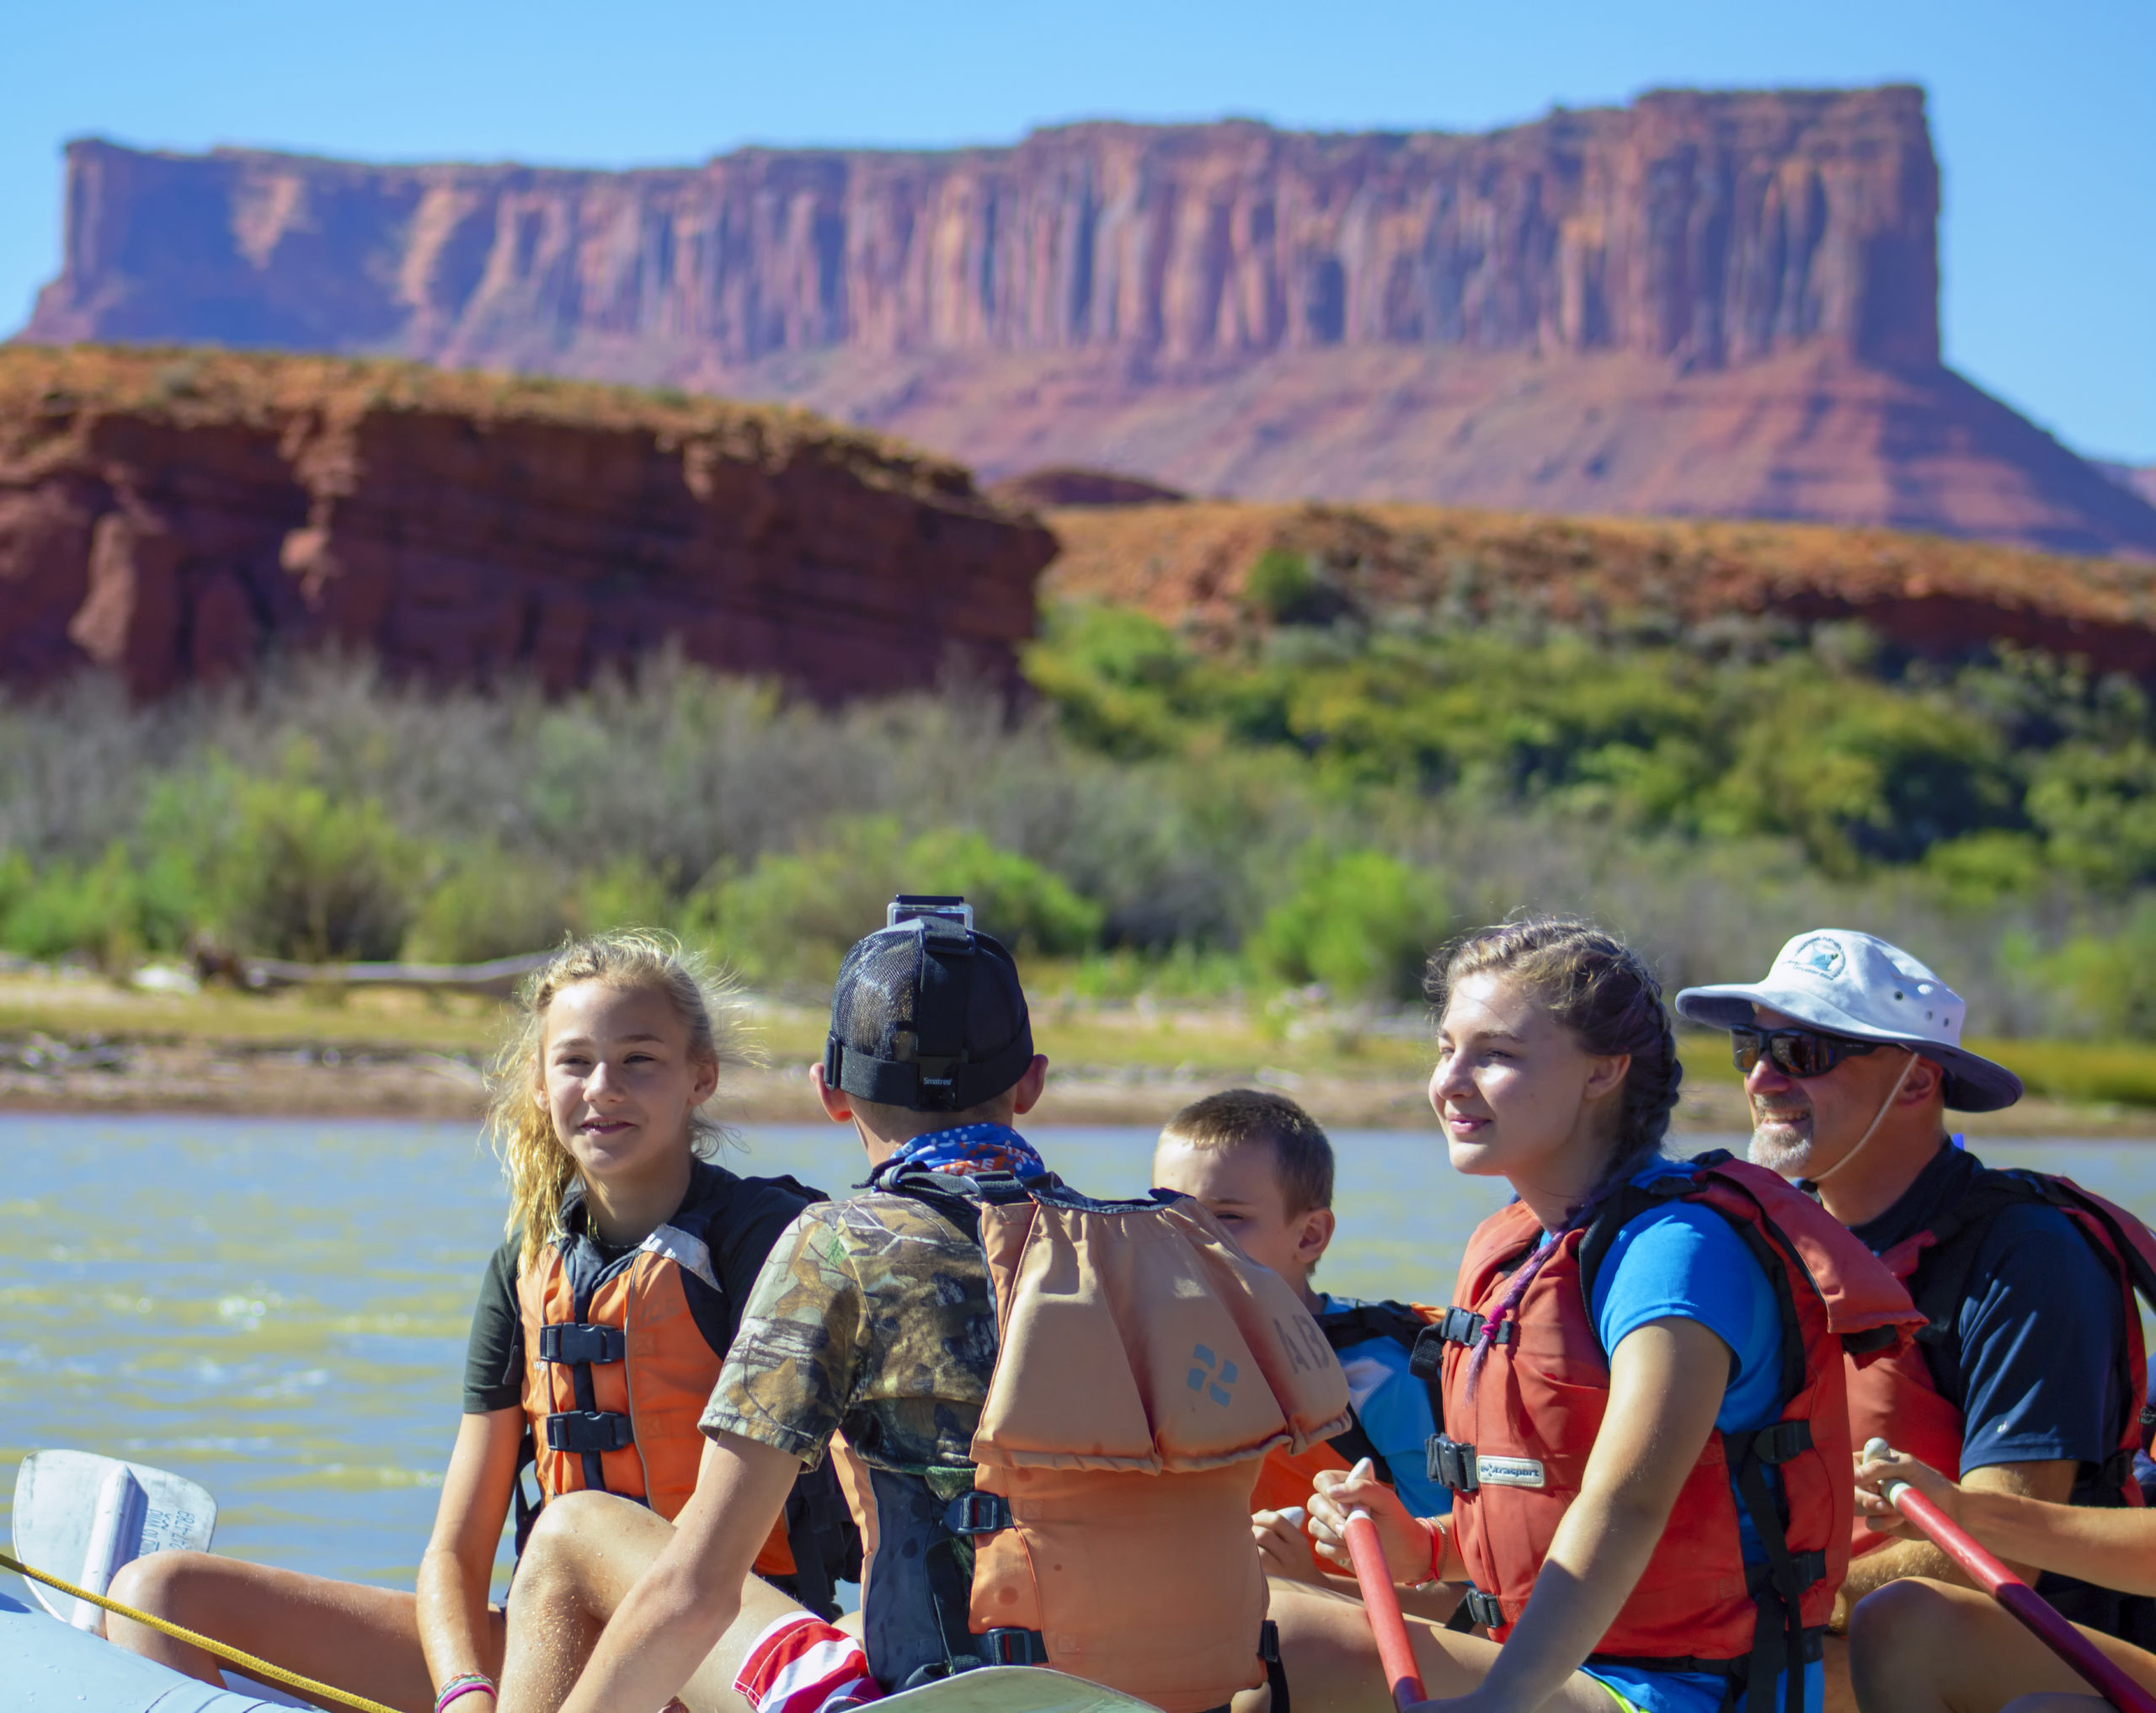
point(173, 516)
point(1190, 566)
point(1572, 314)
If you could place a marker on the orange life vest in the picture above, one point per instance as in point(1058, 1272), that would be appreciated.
point(617, 1370)
point(1524, 1442)
point(1289, 1478)
point(1899, 1400)
point(1144, 1369)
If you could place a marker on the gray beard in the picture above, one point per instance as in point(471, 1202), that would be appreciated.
point(1781, 1149)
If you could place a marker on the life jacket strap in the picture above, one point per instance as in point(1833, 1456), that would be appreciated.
point(572, 1341)
point(1026, 1647)
point(977, 1512)
point(589, 1430)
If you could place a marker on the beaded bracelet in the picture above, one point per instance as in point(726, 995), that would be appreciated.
point(463, 1684)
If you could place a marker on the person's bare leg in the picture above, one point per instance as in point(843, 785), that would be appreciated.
point(1921, 1646)
point(1834, 1663)
point(583, 1558)
point(1332, 1666)
point(343, 1634)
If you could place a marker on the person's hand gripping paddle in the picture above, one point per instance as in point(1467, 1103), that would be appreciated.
point(1382, 1602)
point(1995, 1579)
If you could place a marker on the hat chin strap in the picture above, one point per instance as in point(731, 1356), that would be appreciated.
point(1885, 1107)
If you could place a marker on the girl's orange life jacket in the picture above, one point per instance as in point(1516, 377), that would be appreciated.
point(1287, 1478)
point(1899, 1400)
point(1144, 1368)
point(1522, 1442)
point(615, 1383)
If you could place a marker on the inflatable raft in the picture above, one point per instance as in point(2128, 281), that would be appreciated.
point(53, 1666)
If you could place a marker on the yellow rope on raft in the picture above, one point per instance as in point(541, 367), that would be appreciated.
point(231, 1656)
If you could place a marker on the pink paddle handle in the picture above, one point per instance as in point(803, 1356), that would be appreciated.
point(1382, 1603)
point(1995, 1579)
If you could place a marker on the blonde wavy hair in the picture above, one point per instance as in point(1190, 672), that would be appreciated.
point(541, 1168)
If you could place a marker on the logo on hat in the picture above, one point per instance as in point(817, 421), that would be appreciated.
point(1822, 954)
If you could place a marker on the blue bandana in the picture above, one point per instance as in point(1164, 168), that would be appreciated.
point(969, 1149)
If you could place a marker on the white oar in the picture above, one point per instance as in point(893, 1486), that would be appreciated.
point(84, 1517)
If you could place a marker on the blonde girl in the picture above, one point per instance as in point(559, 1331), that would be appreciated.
point(618, 1215)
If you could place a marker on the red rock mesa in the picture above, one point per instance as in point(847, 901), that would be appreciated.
point(1703, 304)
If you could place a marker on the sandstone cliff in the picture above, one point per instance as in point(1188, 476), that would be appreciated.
point(174, 515)
point(1567, 315)
point(1708, 228)
point(1190, 565)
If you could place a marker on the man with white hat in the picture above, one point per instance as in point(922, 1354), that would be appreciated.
point(2025, 1382)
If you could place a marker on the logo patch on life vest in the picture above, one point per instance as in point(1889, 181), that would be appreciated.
point(1204, 1379)
point(1507, 1472)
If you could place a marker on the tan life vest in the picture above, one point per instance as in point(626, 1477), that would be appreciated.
point(1145, 1368)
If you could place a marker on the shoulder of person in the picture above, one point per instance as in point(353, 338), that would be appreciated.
point(2033, 1246)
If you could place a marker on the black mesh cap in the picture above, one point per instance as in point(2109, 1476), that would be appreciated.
point(928, 1015)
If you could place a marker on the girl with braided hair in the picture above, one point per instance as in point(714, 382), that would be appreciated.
point(1645, 1422)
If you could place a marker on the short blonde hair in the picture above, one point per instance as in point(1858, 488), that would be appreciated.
point(541, 1168)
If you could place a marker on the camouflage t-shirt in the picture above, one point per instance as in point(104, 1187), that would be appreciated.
point(873, 1315)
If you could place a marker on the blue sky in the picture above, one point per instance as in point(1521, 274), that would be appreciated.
point(2043, 116)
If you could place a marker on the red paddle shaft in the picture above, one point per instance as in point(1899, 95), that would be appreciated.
point(1382, 1603)
point(1995, 1579)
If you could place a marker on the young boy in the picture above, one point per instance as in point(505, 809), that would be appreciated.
point(1262, 1166)
point(1114, 1375)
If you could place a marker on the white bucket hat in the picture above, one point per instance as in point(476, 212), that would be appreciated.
point(1857, 985)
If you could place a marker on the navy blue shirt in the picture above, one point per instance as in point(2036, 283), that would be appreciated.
point(2035, 1366)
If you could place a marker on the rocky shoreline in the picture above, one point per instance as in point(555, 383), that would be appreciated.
point(90, 1075)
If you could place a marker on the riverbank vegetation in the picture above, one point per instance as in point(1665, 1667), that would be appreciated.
point(1283, 824)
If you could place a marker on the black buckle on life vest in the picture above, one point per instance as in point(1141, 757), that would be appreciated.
point(1782, 1441)
point(1464, 1326)
point(589, 1430)
point(1014, 1647)
point(575, 1342)
point(1450, 1464)
point(1811, 1568)
point(978, 1514)
point(1485, 1609)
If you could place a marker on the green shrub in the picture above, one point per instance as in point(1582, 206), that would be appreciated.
point(313, 877)
point(2098, 808)
point(95, 909)
point(792, 916)
point(630, 892)
point(1361, 922)
point(2109, 975)
point(488, 903)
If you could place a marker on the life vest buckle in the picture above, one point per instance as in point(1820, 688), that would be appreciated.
point(1450, 1464)
point(1466, 1326)
point(1485, 1609)
point(589, 1430)
point(574, 1342)
point(977, 1513)
point(1023, 1647)
point(1781, 1441)
point(1811, 1568)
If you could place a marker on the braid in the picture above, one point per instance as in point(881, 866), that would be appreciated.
point(1604, 992)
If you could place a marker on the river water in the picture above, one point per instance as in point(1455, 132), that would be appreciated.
point(278, 1308)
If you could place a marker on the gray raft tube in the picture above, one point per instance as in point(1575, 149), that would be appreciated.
point(53, 1669)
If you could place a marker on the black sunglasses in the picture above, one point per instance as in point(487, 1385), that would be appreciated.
point(1802, 1054)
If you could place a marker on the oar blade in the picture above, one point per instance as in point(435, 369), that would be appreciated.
point(57, 1494)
